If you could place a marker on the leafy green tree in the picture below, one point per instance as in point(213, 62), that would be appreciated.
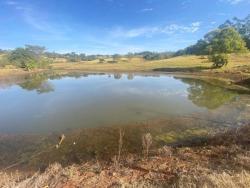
point(226, 41)
point(38, 51)
point(241, 25)
point(247, 40)
point(23, 58)
point(219, 60)
point(29, 57)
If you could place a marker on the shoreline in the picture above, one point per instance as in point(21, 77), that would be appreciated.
point(226, 80)
point(220, 155)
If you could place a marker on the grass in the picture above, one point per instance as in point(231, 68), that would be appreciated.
point(134, 64)
point(220, 161)
point(215, 180)
point(139, 64)
point(238, 69)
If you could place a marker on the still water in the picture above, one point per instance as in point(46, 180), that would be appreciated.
point(46, 104)
point(90, 108)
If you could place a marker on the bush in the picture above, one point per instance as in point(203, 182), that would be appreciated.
point(101, 60)
point(28, 58)
point(112, 61)
point(21, 57)
point(219, 60)
point(29, 65)
point(4, 61)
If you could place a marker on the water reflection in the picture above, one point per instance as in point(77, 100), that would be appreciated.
point(80, 101)
point(117, 76)
point(38, 82)
point(130, 76)
point(199, 92)
point(92, 100)
point(206, 95)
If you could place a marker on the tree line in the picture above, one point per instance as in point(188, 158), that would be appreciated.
point(230, 37)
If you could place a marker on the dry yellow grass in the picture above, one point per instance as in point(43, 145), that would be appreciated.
point(135, 64)
point(223, 162)
point(181, 63)
point(216, 180)
point(197, 65)
point(139, 64)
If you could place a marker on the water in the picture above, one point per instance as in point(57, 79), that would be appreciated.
point(36, 109)
point(43, 104)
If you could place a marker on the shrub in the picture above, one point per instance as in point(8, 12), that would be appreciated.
point(113, 61)
point(29, 65)
point(4, 61)
point(28, 58)
point(219, 60)
point(101, 60)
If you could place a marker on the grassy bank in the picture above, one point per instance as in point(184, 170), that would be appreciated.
point(175, 64)
point(237, 71)
point(221, 160)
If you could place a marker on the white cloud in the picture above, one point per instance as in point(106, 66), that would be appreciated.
point(234, 2)
point(147, 10)
point(31, 16)
point(9, 2)
point(150, 31)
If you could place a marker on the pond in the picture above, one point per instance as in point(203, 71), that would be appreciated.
point(90, 108)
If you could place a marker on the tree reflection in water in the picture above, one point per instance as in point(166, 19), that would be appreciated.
point(207, 95)
point(39, 83)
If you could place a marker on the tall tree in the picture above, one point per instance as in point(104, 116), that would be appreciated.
point(36, 50)
point(227, 40)
point(241, 25)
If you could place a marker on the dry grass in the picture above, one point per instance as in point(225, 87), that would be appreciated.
point(237, 70)
point(215, 180)
point(217, 163)
point(139, 64)
point(135, 64)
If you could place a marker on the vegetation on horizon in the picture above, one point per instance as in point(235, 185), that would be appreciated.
point(28, 58)
point(230, 37)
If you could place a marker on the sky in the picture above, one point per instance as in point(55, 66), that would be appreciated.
point(112, 26)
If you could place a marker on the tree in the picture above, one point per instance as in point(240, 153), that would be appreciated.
point(219, 60)
point(29, 57)
point(200, 48)
point(36, 50)
point(247, 40)
point(23, 58)
point(240, 25)
point(223, 42)
point(226, 41)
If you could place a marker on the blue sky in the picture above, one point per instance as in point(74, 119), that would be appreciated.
point(112, 26)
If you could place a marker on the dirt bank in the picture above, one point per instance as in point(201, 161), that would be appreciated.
point(222, 160)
